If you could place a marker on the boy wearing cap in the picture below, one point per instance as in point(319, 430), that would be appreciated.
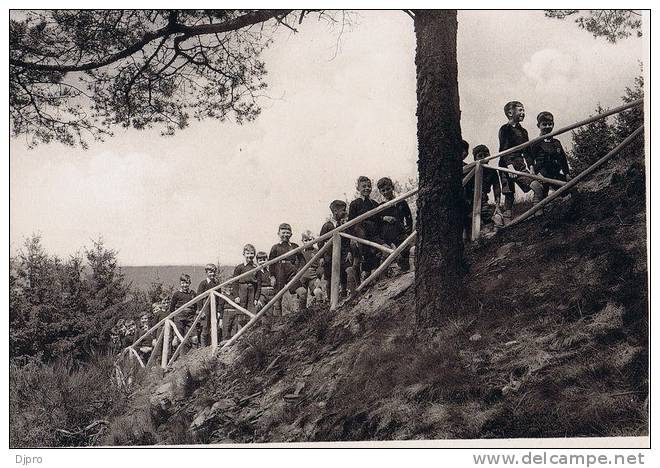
point(338, 210)
point(549, 158)
point(245, 292)
point(184, 319)
point(284, 269)
point(511, 135)
point(367, 258)
point(208, 283)
point(397, 222)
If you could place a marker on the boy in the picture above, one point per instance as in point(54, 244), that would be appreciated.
point(246, 292)
point(184, 319)
point(513, 134)
point(283, 270)
point(367, 258)
point(549, 158)
point(397, 222)
point(338, 210)
point(308, 282)
point(266, 286)
point(207, 283)
point(490, 180)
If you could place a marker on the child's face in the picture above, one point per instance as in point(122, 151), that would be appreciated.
point(339, 213)
point(387, 191)
point(517, 114)
point(482, 154)
point(261, 261)
point(210, 274)
point(364, 188)
point(184, 285)
point(285, 235)
point(546, 126)
point(248, 255)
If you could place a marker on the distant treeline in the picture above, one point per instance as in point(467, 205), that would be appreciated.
point(142, 277)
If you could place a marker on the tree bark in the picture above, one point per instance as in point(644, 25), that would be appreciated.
point(439, 265)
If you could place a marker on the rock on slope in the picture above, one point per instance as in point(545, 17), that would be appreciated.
point(557, 346)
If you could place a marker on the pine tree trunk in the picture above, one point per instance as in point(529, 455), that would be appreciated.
point(439, 260)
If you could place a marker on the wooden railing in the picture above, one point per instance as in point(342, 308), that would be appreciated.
point(475, 169)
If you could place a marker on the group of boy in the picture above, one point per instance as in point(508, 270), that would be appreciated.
point(390, 227)
point(545, 157)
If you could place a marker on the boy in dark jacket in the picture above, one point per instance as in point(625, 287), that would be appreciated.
point(338, 209)
point(397, 222)
point(549, 158)
point(208, 283)
point(369, 229)
point(283, 270)
point(246, 292)
point(184, 319)
point(511, 135)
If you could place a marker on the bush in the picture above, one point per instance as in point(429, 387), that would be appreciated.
point(50, 405)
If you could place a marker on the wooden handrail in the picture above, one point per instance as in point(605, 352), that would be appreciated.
point(291, 252)
point(279, 294)
point(367, 242)
point(526, 174)
point(577, 178)
point(395, 253)
point(236, 306)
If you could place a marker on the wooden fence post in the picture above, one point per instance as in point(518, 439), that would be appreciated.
point(335, 279)
point(167, 341)
point(213, 320)
point(476, 201)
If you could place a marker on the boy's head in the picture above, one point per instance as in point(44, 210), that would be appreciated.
point(338, 208)
point(307, 236)
point(480, 152)
point(249, 252)
point(184, 281)
point(514, 111)
point(545, 121)
point(364, 186)
point(284, 231)
point(386, 188)
point(210, 269)
point(130, 327)
point(262, 257)
point(144, 320)
point(465, 149)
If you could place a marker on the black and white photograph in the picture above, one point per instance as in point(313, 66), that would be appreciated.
point(329, 228)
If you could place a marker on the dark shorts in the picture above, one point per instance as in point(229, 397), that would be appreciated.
point(509, 183)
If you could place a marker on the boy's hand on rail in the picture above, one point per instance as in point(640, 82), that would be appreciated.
point(237, 299)
point(389, 219)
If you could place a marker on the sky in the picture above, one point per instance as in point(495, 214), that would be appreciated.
point(338, 106)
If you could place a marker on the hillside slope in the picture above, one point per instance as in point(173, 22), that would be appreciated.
point(557, 346)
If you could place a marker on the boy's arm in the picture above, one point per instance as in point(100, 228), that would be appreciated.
point(173, 302)
point(497, 190)
point(527, 155)
point(257, 292)
point(563, 160)
point(407, 217)
point(504, 141)
point(352, 210)
point(273, 269)
point(234, 285)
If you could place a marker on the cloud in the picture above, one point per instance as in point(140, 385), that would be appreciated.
point(551, 70)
